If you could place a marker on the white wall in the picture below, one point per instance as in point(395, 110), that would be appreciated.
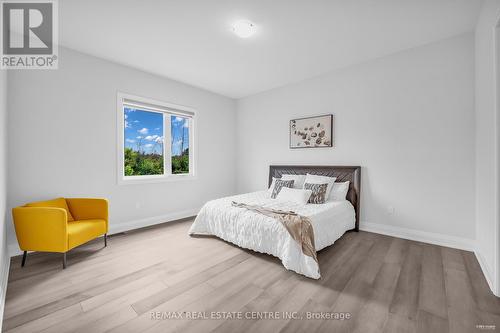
point(62, 140)
point(4, 258)
point(486, 135)
point(497, 162)
point(407, 119)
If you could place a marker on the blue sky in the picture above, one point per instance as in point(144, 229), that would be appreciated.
point(180, 134)
point(144, 131)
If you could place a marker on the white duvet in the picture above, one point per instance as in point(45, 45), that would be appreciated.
point(261, 233)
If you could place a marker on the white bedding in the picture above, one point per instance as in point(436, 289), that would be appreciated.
point(261, 233)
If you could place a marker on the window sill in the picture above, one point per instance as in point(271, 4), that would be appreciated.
point(131, 180)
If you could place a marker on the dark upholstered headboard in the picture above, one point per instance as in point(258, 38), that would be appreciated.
point(343, 173)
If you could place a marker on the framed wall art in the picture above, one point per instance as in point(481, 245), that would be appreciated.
point(312, 132)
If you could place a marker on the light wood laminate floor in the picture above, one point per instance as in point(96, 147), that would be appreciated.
point(386, 284)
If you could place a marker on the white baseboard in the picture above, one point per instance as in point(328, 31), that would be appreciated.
point(3, 285)
point(487, 272)
point(419, 236)
point(115, 228)
point(13, 250)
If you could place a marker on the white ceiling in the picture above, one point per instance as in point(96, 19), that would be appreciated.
point(191, 41)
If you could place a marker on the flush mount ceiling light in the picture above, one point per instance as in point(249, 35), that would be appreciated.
point(243, 28)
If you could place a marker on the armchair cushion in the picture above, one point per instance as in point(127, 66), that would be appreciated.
point(80, 232)
point(55, 203)
point(88, 208)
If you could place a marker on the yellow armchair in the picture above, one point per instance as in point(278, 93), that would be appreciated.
point(59, 225)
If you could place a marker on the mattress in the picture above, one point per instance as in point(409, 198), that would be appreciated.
point(264, 234)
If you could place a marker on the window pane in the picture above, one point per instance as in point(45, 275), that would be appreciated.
point(180, 144)
point(143, 148)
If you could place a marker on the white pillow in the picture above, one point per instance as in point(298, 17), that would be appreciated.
point(299, 196)
point(339, 191)
point(315, 179)
point(298, 180)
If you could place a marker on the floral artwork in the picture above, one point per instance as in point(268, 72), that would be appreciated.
point(312, 132)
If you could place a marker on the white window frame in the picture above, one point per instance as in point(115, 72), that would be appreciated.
point(169, 109)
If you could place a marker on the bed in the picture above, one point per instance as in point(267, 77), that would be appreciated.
point(264, 234)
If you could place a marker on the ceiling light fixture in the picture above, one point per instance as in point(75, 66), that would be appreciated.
point(244, 28)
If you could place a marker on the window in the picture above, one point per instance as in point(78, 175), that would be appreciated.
point(144, 136)
point(155, 140)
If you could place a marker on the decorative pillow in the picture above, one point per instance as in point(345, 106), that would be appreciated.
point(55, 203)
point(315, 179)
point(299, 196)
point(278, 185)
point(271, 187)
point(298, 180)
point(318, 195)
point(339, 191)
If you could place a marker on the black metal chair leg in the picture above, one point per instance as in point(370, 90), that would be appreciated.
point(25, 254)
point(105, 240)
point(64, 260)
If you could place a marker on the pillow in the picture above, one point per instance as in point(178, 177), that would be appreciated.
point(318, 195)
point(299, 196)
point(339, 191)
point(271, 187)
point(298, 180)
point(56, 203)
point(278, 185)
point(315, 179)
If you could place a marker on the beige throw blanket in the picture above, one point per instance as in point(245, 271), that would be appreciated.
point(299, 227)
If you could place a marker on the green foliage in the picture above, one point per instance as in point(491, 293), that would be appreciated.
point(141, 164)
point(180, 163)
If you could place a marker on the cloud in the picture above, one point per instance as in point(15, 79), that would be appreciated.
point(136, 121)
point(186, 124)
point(159, 139)
point(152, 137)
point(138, 137)
point(149, 145)
point(127, 124)
point(157, 129)
point(143, 130)
point(179, 119)
point(129, 140)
